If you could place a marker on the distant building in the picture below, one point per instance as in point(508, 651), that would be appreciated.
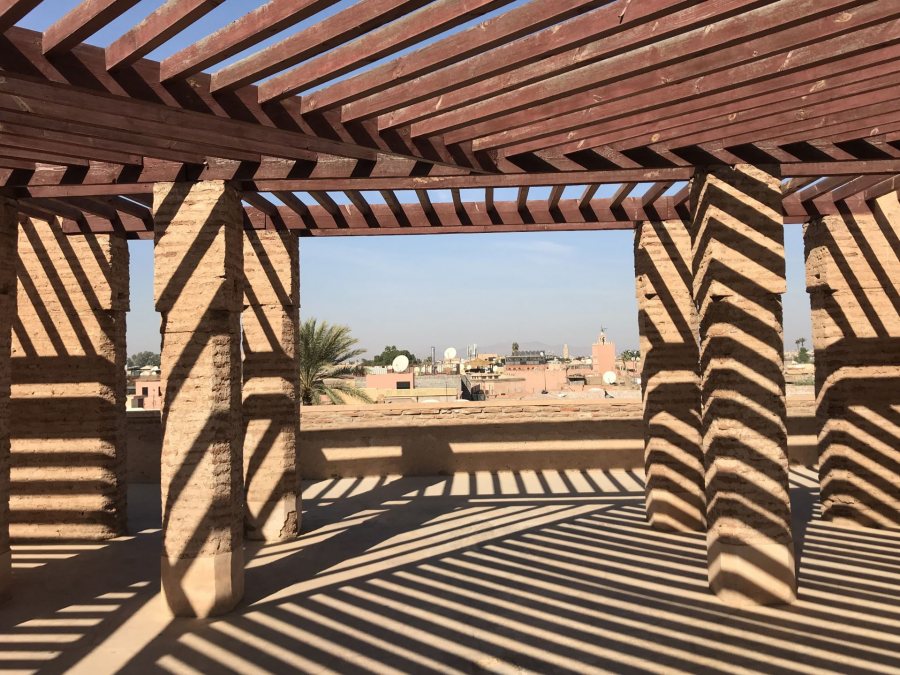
point(603, 355)
point(566, 352)
point(526, 358)
point(145, 393)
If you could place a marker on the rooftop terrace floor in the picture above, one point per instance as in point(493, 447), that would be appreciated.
point(530, 572)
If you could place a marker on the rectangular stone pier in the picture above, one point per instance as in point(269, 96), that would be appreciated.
point(68, 385)
point(9, 232)
point(852, 265)
point(271, 404)
point(739, 276)
point(199, 293)
point(667, 319)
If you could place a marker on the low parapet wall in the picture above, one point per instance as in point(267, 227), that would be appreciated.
point(440, 438)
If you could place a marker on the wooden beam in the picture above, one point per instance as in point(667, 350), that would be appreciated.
point(13, 11)
point(251, 28)
point(622, 192)
point(293, 202)
point(740, 40)
point(158, 27)
point(278, 124)
point(822, 187)
point(84, 20)
point(554, 50)
point(556, 193)
point(510, 25)
point(680, 103)
point(99, 183)
point(796, 184)
point(892, 184)
point(328, 34)
point(655, 192)
point(857, 186)
point(585, 201)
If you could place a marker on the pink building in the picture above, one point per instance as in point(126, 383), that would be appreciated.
point(390, 380)
point(603, 355)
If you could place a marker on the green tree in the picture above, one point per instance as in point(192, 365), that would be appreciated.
point(515, 347)
point(325, 350)
point(142, 359)
point(802, 355)
point(391, 352)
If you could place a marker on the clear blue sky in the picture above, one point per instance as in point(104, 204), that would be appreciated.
point(446, 290)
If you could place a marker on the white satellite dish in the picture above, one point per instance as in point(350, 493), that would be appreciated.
point(400, 364)
point(449, 354)
point(609, 377)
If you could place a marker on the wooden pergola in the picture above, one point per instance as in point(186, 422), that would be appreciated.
point(542, 94)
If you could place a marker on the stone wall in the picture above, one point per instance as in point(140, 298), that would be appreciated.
point(853, 268)
point(485, 436)
point(68, 385)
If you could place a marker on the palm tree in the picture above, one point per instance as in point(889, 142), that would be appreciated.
point(324, 352)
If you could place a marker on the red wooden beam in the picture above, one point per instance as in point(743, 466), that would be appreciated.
point(436, 17)
point(758, 123)
point(510, 25)
point(680, 103)
point(862, 117)
point(12, 11)
point(857, 186)
point(892, 184)
point(741, 40)
point(822, 187)
point(254, 27)
point(558, 48)
point(655, 192)
point(621, 193)
point(591, 28)
point(312, 41)
point(160, 25)
point(84, 20)
point(139, 85)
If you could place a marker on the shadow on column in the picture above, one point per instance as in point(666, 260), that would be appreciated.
point(738, 281)
point(68, 385)
point(853, 267)
point(667, 320)
point(198, 292)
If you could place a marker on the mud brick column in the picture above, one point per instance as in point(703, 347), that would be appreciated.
point(68, 385)
point(853, 278)
point(667, 319)
point(270, 391)
point(8, 235)
point(199, 293)
point(738, 263)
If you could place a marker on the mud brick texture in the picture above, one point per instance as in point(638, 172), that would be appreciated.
point(199, 294)
point(68, 435)
point(270, 384)
point(670, 382)
point(853, 278)
point(739, 276)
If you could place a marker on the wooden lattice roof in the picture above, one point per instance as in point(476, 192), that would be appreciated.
point(390, 96)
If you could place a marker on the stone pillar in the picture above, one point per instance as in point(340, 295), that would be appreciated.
point(738, 264)
point(8, 234)
point(271, 404)
point(670, 382)
point(853, 277)
point(68, 385)
point(199, 294)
